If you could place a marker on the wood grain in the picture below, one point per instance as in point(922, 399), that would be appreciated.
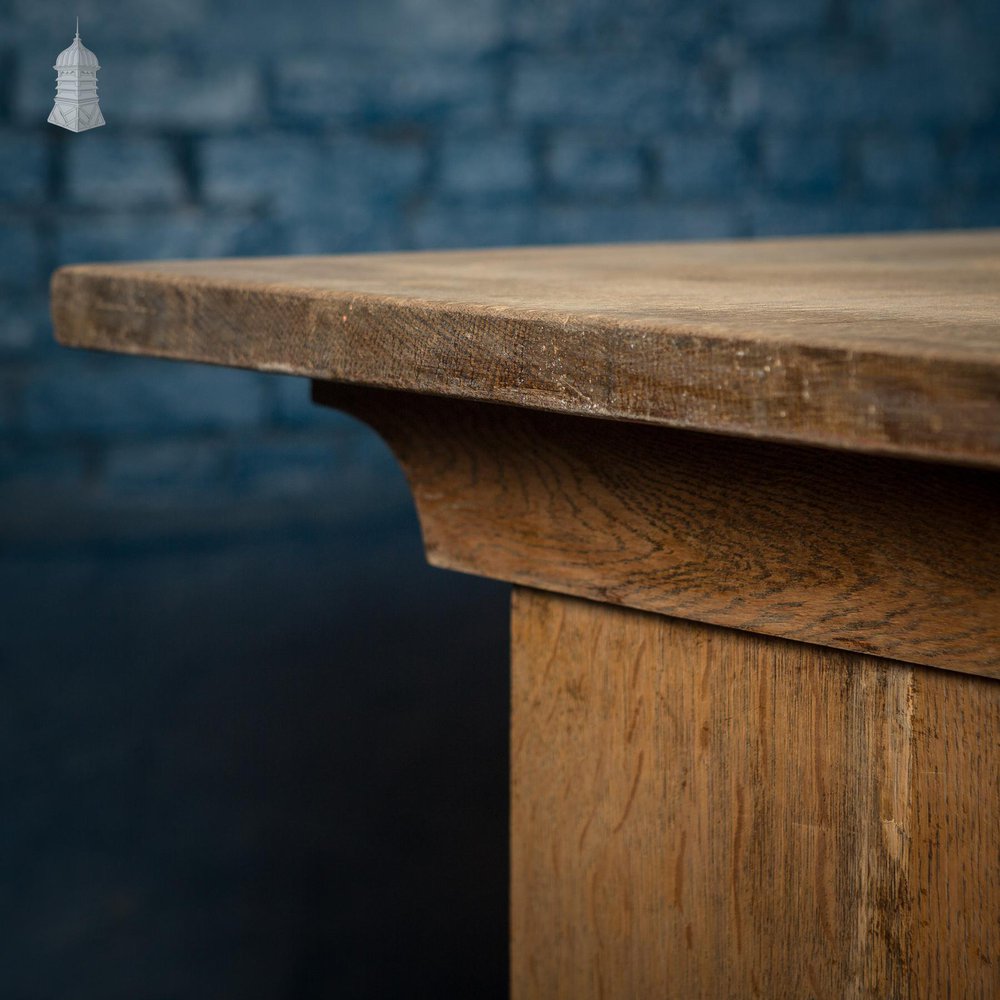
point(704, 813)
point(892, 557)
point(881, 344)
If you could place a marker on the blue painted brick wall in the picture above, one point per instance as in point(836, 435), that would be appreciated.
point(135, 493)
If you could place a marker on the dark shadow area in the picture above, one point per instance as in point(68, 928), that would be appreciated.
point(268, 767)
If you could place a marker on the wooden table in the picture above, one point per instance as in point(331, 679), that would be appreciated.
point(749, 497)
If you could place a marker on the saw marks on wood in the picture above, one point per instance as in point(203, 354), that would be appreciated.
point(878, 343)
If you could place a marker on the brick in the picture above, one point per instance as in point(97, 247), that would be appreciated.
point(838, 84)
point(964, 213)
point(914, 26)
point(884, 215)
point(270, 172)
point(328, 197)
point(125, 399)
point(152, 237)
point(625, 24)
point(771, 19)
point(345, 227)
point(701, 164)
point(867, 16)
point(637, 94)
point(939, 89)
point(439, 224)
point(41, 486)
point(632, 222)
point(116, 172)
point(20, 254)
point(165, 21)
point(346, 458)
point(393, 28)
point(301, 178)
point(442, 26)
point(24, 323)
point(587, 166)
point(39, 470)
point(24, 170)
point(770, 216)
point(10, 399)
point(7, 77)
point(487, 163)
point(171, 92)
point(824, 84)
point(773, 216)
point(974, 166)
point(33, 86)
point(297, 467)
point(903, 165)
point(378, 170)
point(255, 31)
point(318, 90)
point(800, 163)
point(159, 470)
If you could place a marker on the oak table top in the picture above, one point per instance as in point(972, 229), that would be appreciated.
point(884, 344)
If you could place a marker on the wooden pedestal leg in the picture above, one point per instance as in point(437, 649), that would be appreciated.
point(703, 812)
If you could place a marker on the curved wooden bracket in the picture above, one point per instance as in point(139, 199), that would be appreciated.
point(892, 557)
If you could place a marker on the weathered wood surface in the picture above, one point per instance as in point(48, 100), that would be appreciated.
point(884, 344)
point(892, 557)
point(722, 815)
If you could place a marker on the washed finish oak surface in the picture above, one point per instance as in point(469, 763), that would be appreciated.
point(878, 343)
point(701, 813)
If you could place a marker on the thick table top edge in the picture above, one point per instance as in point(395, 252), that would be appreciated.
point(887, 344)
